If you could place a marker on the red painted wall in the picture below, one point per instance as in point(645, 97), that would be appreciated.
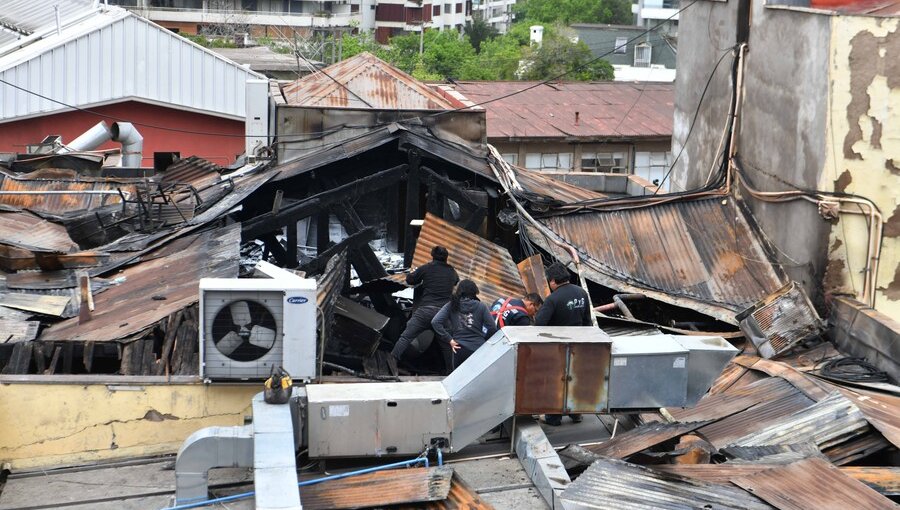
point(222, 150)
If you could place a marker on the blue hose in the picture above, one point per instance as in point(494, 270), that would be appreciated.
point(440, 457)
point(235, 497)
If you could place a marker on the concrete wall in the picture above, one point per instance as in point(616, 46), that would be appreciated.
point(864, 150)
point(51, 425)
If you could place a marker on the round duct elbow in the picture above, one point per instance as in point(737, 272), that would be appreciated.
point(132, 143)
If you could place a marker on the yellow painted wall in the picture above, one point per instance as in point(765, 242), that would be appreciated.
point(865, 149)
point(50, 425)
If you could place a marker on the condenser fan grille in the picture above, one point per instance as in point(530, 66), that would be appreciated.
point(244, 330)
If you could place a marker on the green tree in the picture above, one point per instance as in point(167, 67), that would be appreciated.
point(478, 31)
point(498, 60)
point(575, 11)
point(355, 44)
point(447, 53)
point(558, 55)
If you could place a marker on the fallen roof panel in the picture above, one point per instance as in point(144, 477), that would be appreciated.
point(811, 483)
point(611, 483)
point(700, 253)
point(642, 437)
point(164, 282)
point(31, 232)
point(490, 266)
point(59, 196)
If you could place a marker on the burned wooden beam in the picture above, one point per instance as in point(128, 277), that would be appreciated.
point(412, 206)
point(452, 189)
point(271, 222)
point(380, 489)
point(360, 238)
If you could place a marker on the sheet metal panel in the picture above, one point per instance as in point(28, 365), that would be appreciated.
point(756, 418)
point(541, 378)
point(611, 483)
point(164, 282)
point(700, 253)
point(605, 109)
point(31, 232)
point(79, 197)
point(587, 381)
point(640, 438)
point(812, 483)
point(490, 266)
point(828, 422)
point(363, 81)
point(380, 489)
point(721, 405)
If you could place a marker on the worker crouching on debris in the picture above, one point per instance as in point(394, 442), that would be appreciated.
point(516, 312)
point(465, 322)
point(567, 305)
point(437, 279)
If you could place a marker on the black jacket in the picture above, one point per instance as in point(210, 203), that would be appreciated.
point(437, 279)
point(566, 306)
point(470, 326)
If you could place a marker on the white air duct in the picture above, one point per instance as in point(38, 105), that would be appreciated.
point(122, 132)
point(90, 139)
point(132, 143)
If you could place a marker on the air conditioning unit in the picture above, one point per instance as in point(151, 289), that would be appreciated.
point(248, 325)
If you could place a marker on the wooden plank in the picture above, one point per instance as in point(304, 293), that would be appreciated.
point(18, 331)
point(163, 367)
point(125, 363)
point(147, 359)
point(87, 356)
point(533, 275)
point(54, 361)
point(380, 489)
point(41, 280)
point(20, 360)
point(68, 353)
point(40, 358)
point(38, 303)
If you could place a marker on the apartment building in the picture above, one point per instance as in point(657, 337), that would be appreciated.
point(496, 12)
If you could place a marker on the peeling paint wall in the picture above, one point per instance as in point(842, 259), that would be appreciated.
point(66, 424)
point(864, 149)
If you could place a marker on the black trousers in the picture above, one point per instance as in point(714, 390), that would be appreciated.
point(419, 322)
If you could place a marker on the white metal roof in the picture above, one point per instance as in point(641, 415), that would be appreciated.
point(111, 56)
point(22, 18)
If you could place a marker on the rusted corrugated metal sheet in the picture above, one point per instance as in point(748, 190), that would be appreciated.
point(328, 288)
point(715, 407)
point(729, 429)
point(643, 437)
point(880, 409)
point(554, 189)
point(701, 254)
point(811, 483)
point(884, 480)
point(605, 110)
point(460, 497)
point(379, 489)
point(165, 282)
point(611, 483)
point(828, 422)
point(490, 266)
point(364, 81)
point(193, 170)
point(31, 232)
point(81, 195)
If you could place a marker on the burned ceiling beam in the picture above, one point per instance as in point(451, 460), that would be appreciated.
point(452, 190)
point(318, 264)
point(271, 222)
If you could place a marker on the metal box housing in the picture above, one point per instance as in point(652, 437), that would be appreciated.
point(648, 373)
point(708, 355)
point(375, 419)
point(291, 306)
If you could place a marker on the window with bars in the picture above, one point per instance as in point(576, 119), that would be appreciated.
point(621, 45)
point(549, 161)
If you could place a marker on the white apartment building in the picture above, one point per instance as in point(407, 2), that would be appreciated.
point(496, 12)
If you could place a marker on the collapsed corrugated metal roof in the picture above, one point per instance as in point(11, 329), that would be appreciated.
point(165, 282)
point(611, 483)
point(700, 253)
point(364, 81)
point(488, 265)
point(59, 196)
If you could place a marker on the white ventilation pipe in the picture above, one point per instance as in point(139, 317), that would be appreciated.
point(90, 139)
point(132, 143)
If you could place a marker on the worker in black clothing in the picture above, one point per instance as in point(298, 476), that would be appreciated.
point(464, 324)
point(437, 279)
point(515, 311)
point(567, 305)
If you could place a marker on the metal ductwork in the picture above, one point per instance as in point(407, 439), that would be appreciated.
point(90, 139)
point(212, 447)
point(122, 132)
point(132, 143)
point(519, 371)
